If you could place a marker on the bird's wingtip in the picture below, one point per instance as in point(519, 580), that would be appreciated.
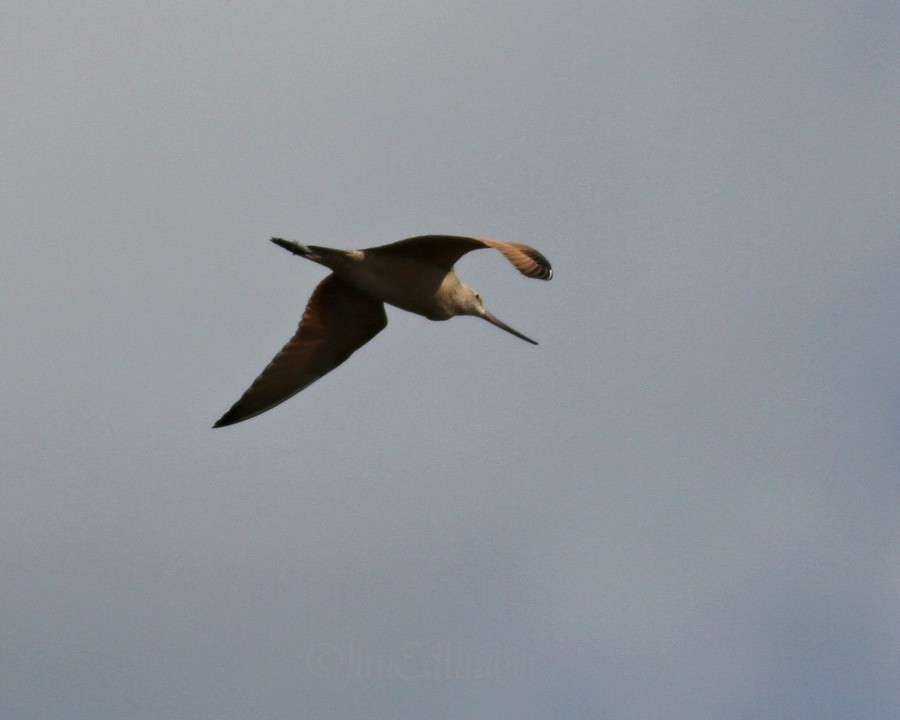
point(226, 419)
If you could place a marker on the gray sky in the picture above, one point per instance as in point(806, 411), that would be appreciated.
point(683, 504)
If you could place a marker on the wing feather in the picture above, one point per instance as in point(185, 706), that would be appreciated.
point(445, 250)
point(338, 320)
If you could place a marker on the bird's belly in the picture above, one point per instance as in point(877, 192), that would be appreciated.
point(421, 300)
point(409, 286)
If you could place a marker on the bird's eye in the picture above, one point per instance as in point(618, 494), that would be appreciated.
point(478, 297)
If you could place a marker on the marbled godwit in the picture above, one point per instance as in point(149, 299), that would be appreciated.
point(346, 310)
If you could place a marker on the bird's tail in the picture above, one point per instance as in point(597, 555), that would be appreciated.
point(293, 247)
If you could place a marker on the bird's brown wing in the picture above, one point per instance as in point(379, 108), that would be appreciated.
point(445, 250)
point(526, 260)
point(338, 320)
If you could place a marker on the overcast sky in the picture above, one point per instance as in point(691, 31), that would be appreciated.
point(684, 503)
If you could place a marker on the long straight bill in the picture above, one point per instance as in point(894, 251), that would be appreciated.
point(503, 326)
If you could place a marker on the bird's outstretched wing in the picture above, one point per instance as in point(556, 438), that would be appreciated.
point(445, 250)
point(338, 320)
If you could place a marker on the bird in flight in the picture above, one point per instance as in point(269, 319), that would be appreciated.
point(346, 309)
